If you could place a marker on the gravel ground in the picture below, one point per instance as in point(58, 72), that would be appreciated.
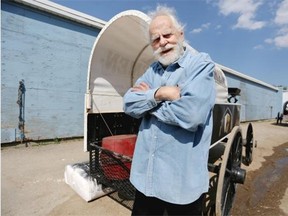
point(33, 179)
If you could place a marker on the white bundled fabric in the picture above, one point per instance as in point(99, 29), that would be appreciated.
point(77, 176)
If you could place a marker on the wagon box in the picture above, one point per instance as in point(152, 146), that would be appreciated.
point(121, 54)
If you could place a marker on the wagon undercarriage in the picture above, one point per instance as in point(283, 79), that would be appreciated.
point(225, 159)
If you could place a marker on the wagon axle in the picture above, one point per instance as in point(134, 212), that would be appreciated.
point(237, 174)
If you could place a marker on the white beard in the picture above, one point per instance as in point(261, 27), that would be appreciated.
point(170, 57)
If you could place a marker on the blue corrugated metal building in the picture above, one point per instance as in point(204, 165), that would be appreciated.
point(259, 100)
point(46, 47)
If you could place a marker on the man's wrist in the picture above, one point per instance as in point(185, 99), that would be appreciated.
point(157, 95)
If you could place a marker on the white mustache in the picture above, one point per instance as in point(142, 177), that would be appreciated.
point(162, 49)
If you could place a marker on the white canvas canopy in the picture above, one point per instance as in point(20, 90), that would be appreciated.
point(121, 53)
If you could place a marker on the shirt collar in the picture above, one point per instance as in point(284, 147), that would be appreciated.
point(181, 60)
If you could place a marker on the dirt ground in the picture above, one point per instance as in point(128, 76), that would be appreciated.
point(32, 179)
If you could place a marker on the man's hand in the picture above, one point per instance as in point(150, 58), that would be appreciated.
point(141, 87)
point(164, 93)
point(167, 93)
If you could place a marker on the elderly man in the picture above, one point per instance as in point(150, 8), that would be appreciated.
point(174, 98)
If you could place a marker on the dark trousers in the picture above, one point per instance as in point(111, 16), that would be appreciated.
point(144, 205)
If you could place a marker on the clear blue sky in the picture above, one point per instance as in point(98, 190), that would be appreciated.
point(249, 36)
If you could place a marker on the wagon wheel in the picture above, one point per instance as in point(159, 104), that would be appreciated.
point(249, 146)
point(230, 173)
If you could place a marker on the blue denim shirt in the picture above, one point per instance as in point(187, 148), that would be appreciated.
point(171, 153)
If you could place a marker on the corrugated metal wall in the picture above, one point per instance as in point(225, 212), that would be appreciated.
point(51, 55)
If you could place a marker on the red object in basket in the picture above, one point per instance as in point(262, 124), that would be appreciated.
point(121, 144)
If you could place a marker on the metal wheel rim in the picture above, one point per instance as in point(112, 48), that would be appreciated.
point(226, 188)
point(250, 143)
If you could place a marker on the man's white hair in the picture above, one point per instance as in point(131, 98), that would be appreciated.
point(162, 10)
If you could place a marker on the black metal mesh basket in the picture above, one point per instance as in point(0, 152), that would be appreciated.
point(112, 170)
